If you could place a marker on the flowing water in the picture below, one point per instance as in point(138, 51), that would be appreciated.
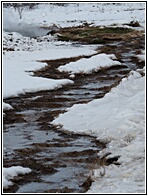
point(60, 161)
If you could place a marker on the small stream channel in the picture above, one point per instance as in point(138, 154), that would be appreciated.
point(60, 161)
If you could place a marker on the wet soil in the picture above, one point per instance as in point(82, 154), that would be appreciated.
point(61, 161)
point(96, 35)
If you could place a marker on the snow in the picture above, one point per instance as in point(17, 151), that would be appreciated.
point(20, 81)
point(43, 47)
point(141, 56)
point(12, 172)
point(122, 180)
point(15, 84)
point(118, 118)
point(75, 14)
point(110, 109)
point(90, 65)
point(7, 106)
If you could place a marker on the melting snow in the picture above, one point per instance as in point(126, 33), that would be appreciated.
point(90, 65)
point(11, 172)
point(118, 118)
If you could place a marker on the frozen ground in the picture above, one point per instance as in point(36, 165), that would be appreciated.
point(75, 14)
point(118, 118)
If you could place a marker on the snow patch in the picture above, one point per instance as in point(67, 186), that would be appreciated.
point(90, 65)
point(11, 172)
point(7, 106)
point(141, 56)
point(18, 67)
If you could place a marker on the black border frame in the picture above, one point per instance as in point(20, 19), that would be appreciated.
point(2, 93)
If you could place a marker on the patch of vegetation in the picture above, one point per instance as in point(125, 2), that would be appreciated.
point(64, 38)
point(97, 41)
point(115, 30)
point(92, 35)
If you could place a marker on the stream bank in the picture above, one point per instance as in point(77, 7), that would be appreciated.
point(59, 158)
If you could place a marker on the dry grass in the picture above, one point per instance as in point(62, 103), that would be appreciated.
point(95, 35)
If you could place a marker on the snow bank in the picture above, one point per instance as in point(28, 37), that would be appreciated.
point(118, 119)
point(17, 81)
point(110, 111)
point(124, 179)
point(7, 106)
point(90, 65)
point(11, 172)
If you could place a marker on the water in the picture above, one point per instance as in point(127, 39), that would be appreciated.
point(60, 160)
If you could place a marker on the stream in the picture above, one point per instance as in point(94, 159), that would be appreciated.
point(61, 161)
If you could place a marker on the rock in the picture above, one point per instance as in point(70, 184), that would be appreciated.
point(133, 24)
point(51, 32)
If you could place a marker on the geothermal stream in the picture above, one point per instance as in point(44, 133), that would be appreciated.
point(60, 161)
